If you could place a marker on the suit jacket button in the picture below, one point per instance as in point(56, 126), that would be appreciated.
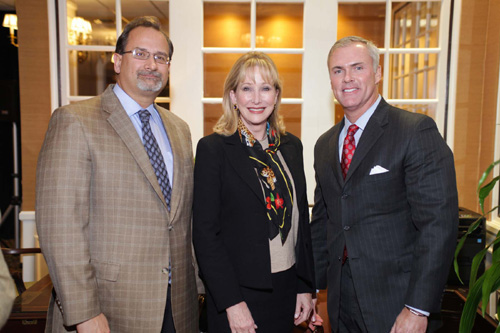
point(164, 270)
point(346, 228)
point(344, 195)
point(339, 258)
point(170, 227)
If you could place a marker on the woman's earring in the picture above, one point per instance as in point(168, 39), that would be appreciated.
point(235, 107)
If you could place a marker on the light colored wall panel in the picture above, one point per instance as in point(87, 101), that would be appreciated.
point(34, 84)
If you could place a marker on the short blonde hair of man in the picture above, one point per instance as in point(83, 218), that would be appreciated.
point(243, 67)
point(349, 40)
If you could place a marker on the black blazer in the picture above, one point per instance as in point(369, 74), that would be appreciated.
point(230, 230)
point(399, 226)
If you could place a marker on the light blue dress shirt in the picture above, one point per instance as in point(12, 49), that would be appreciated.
point(132, 108)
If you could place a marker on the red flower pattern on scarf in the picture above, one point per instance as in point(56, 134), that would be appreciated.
point(279, 202)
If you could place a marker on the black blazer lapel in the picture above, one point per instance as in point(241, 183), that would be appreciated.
point(239, 160)
point(374, 129)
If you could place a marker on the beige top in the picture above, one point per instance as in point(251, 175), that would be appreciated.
point(283, 256)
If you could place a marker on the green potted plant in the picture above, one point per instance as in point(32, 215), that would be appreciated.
point(480, 287)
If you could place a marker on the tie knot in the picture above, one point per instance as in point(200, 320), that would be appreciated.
point(352, 130)
point(144, 115)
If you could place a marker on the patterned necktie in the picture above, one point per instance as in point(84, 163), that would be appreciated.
point(155, 156)
point(347, 153)
point(348, 149)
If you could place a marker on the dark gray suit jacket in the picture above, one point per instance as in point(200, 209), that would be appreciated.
point(399, 226)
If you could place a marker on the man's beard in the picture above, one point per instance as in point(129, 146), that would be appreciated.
point(148, 84)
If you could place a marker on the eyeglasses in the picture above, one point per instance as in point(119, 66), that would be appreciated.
point(142, 54)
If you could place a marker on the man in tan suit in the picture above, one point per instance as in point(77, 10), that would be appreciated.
point(113, 201)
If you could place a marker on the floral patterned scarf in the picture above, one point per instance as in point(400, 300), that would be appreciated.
point(274, 179)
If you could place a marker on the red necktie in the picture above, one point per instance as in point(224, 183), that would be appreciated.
point(348, 149)
point(347, 153)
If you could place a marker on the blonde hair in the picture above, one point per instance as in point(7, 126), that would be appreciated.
point(228, 122)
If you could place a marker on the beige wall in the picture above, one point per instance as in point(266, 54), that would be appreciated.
point(34, 84)
point(477, 77)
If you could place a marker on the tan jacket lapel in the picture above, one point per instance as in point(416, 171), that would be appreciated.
point(120, 121)
point(178, 155)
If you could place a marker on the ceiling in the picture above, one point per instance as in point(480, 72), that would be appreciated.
point(7, 5)
point(95, 8)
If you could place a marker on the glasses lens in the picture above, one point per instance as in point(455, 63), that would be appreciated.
point(140, 54)
point(161, 59)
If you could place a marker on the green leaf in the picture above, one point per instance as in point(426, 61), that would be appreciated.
point(486, 173)
point(490, 284)
point(470, 307)
point(485, 191)
point(476, 261)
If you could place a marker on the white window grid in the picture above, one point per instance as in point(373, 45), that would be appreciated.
point(242, 50)
point(66, 97)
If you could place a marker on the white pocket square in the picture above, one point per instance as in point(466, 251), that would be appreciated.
point(377, 170)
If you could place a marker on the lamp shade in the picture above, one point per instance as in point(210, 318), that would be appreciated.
point(10, 21)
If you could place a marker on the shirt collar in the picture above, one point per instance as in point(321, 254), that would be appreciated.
point(363, 120)
point(128, 103)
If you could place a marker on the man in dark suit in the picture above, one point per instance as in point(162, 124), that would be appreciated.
point(385, 209)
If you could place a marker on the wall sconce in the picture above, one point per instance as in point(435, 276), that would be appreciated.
point(80, 32)
point(10, 21)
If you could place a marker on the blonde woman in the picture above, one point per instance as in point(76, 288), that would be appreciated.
point(251, 222)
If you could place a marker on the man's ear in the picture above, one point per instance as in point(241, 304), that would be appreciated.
point(117, 62)
point(378, 74)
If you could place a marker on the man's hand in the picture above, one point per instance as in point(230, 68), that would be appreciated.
point(240, 319)
point(303, 308)
point(407, 322)
point(98, 324)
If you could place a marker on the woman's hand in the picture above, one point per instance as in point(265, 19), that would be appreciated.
point(303, 308)
point(240, 319)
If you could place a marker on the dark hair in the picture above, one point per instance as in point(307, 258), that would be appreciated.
point(146, 22)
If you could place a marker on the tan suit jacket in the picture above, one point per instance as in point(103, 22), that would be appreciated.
point(103, 223)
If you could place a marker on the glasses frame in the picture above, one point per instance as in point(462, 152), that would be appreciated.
point(148, 54)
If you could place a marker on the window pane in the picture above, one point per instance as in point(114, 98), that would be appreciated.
point(279, 25)
point(217, 66)
point(413, 76)
point(90, 72)
point(415, 24)
point(135, 8)
point(91, 22)
point(226, 24)
point(290, 70)
point(364, 20)
point(292, 116)
point(211, 114)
